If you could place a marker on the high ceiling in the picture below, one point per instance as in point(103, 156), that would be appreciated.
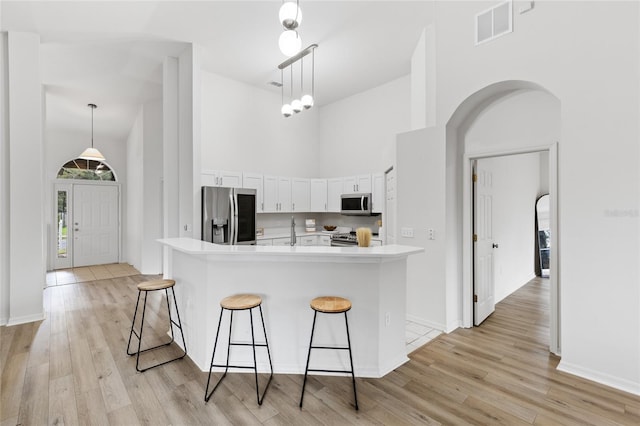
point(110, 52)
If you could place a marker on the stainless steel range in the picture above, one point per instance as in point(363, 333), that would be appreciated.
point(344, 239)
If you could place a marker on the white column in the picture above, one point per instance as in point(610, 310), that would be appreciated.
point(27, 267)
point(170, 188)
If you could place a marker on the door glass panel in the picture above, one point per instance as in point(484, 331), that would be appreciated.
point(62, 213)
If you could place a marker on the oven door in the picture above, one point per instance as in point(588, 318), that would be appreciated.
point(337, 243)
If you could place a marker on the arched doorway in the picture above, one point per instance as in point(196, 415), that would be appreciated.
point(87, 215)
point(462, 154)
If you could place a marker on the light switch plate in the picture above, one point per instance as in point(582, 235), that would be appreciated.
point(406, 232)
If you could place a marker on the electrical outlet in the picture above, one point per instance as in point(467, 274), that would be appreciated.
point(406, 232)
point(387, 319)
point(431, 233)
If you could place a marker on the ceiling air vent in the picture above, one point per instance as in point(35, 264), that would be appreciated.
point(494, 22)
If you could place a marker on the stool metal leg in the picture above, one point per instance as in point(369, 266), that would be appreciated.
point(135, 314)
point(353, 376)
point(253, 344)
point(139, 336)
point(207, 395)
point(306, 369)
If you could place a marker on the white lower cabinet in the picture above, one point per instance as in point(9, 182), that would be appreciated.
point(281, 241)
point(324, 240)
point(308, 240)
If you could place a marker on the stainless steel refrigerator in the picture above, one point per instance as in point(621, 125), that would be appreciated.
point(228, 215)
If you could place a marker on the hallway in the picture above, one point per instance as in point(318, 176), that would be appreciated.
point(72, 368)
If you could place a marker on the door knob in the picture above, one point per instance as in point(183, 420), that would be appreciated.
point(494, 245)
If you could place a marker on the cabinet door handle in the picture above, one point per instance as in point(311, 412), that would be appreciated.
point(293, 207)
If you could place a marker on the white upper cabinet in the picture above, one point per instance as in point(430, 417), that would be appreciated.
point(360, 183)
point(378, 193)
point(270, 195)
point(284, 193)
point(300, 195)
point(318, 195)
point(221, 178)
point(254, 181)
point(334, 191)
point(277, 194)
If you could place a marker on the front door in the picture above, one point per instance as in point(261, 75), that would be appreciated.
point(483, 274)
point(95, 225)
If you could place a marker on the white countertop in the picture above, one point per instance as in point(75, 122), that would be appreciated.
point(317, 253)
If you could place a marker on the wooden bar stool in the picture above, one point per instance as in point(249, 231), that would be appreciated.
point(330, 305)
point(240, 302)
point(146, 287)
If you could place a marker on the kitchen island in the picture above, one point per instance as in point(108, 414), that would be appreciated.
point(287, 278)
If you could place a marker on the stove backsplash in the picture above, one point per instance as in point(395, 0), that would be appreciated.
point(282, 220)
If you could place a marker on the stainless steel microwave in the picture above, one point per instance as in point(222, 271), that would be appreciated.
point(356, 204)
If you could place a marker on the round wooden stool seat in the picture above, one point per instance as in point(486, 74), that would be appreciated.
point(241, 301)
point(330, 304)
point(156, 285)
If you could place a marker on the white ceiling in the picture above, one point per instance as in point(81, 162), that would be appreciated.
point(110, 53)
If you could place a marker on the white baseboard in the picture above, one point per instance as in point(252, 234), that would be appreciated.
point(427, 323)
point(602, 378)
point(25, 319)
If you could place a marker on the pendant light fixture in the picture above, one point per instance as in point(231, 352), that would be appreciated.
point(305, 101)
point(290, 17)
point(92, 153)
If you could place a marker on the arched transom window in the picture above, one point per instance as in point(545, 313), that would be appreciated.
point(86, 170)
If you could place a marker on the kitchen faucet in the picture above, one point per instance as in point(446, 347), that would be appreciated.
point(293, 232)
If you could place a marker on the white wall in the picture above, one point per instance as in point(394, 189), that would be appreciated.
point(515, 187)
point(4, 182)
point(357, 134)
point(151, 258)
point(134, 193)
point(420, 200)
point(599, 108)
point(27, 265)
point(144, 190)
point(243, 130)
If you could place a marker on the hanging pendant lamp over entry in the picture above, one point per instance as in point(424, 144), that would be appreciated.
point(92, 153)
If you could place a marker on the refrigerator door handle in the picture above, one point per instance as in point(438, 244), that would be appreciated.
point(232, 219)
point(235, 216)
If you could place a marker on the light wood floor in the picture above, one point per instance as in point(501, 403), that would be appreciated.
point(72, 369)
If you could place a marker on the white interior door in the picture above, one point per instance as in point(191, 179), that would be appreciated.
point(483, 271)
point(95, 225)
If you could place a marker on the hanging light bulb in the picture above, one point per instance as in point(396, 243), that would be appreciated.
point(290, 15)
point(296, 105)
point(290, 42)
point(307, 101)
point(286, 110)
